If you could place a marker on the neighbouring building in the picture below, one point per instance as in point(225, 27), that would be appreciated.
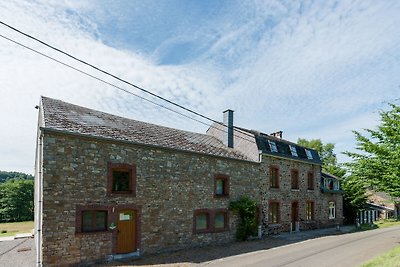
point(386, 206)
point(110, 187)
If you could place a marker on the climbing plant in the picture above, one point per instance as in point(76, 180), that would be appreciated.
point(247, 211)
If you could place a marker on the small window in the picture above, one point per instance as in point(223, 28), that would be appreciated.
point(330, 185)
point(310, 211)
point(121, 179)
point(326, 183)
point(210, 220)
point(293, 151)
point(273, 212)
point(336, 185)
point(310, 181)
point(272, 146)
point(309, 155)
point(94, 220)
point(295, 179)
point(202, 222)
point(220, 220)
point(332, 210)
point(221, 186)
point(274, 177)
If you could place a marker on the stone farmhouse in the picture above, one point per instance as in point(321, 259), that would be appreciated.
point(108, 187)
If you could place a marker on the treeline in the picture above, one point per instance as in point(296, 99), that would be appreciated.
point(16, 197)
point(4, 176)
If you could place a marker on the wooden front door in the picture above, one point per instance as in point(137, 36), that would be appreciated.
point(126, 231)
point(295, 214)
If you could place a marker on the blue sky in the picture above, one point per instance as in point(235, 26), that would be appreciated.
point(313, 69)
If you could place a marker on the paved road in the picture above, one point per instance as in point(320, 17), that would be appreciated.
point(343, 250)
point(17, 253)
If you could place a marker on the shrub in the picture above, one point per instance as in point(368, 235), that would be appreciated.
point(247, 210)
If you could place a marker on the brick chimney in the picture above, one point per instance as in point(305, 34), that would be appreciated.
point(277, 134)
point(228, 132)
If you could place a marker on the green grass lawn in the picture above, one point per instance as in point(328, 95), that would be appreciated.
point(387, 223)
point(10, 229)
point(389, 259)
point(379, 224)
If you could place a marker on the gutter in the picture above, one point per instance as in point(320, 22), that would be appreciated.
point(39, 191)
point(290, 158)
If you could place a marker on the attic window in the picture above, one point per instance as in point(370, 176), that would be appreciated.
point(309, 155)
point(293, 151)
point(272, 145)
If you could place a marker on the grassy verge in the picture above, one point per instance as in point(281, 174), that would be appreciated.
point(10, 229)
point(389, 259)
point(379, 224)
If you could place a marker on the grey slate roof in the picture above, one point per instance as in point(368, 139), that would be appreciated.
point(283, 147)
point(329, 176)
point(66, 117)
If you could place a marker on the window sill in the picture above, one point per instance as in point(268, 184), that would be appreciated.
point(210, 231)
point(121, 194)
point(93, 233)
point(221, 196)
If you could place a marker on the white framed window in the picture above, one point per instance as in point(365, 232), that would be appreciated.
point(332, 210)
point(273, 146)
point(308, 153)
point(293, 151)
point(336, 185)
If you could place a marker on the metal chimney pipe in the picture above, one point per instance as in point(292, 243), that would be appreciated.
point(228, 133)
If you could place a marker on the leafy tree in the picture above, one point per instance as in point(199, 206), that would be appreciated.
point(16, 200)
point(247, 210)
point(328, 157)
point(4, 176)
point(378, 163)
point(354, 196)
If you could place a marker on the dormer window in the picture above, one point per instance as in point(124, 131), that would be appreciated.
point(309, 155)
point(273, 146)
point(293, 151)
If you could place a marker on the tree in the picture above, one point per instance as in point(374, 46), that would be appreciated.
point(16, 200)
point(378, 164)
point(328, 157)
point(354, 196)
point(4, 176)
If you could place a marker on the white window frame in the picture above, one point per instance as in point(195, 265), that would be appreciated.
point(332, 210)
point(336, 185)
point(308, 153)
point(293, 151)
point(273, 146)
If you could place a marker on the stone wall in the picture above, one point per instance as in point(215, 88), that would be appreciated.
point(285, 195)
point(170, 186)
